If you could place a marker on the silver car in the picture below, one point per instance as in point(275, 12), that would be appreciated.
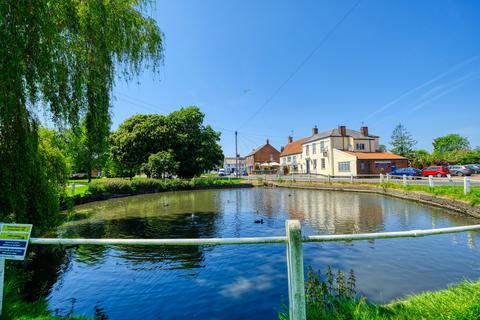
point(460, 170)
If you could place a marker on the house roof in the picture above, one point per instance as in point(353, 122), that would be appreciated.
point(375, 155)
point(294, 147)
point(336, 133)
point(256, 150)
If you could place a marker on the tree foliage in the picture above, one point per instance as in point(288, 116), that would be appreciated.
point(402, 141)
point(450, 143)
point(63, 55)
point(161, 164)
point(194, 146)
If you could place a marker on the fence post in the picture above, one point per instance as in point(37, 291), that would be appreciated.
point(2, 276)
point(351, 178)
point(309, 177)
point(73, 188)
point(405, 182)
point(296, 282)
point(388, 177)
point(466, 185)
point(381, 177)
point(430, 181)
point(449, 177)
point(328, 178)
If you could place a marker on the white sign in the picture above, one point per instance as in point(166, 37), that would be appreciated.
point(14, 240)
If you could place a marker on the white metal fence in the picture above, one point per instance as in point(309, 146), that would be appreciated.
point(293, 240)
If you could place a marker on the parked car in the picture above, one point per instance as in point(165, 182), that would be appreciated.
point(439, 171)
point(460, 170)
point(409, 172)
point(221, 172)
point(474, 167)
point(78, 175)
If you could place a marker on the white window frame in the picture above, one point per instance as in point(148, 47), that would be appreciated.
point(344, 166)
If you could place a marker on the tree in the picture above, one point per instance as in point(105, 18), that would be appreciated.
point(402, 141)
point(62, 55)
point(450, 143)
point(195, 146)
point(421, 158)
point(161, 163)
point(382, 148)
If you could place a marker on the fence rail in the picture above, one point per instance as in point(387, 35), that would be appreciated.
point(293, 240)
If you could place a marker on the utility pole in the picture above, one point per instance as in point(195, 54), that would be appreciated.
point(236, 155)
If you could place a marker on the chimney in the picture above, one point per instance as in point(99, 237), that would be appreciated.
point(290, 139)
point(342, 130)
point(281, 149)
point(268, 142)
point(364, 131)
point(314, 130)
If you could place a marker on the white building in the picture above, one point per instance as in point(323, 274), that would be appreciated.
point(291, 158)
point(345, 152)
point(229, 164)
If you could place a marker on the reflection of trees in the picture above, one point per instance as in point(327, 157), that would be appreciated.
point(43, 267)
point(185, 225)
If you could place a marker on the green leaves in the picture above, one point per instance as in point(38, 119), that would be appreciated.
point(181, 133)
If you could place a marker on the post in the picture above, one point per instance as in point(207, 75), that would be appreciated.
point(466, 185)
point(309, 177)
point(388, 177)
point(449, 177)
point(328, 178)
point(236, 155)
point(351, 178)
point(405, 182)
point(73, 188)
point(430, 181)
point(2, 277)
point(296, 282)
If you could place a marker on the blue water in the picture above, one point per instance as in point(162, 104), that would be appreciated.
point(248, 281)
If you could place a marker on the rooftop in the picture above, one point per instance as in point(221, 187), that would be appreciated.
point(294, 147)
point(336, 133)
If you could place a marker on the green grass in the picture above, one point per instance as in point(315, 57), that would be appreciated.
point(16, 308)
point(79, 190)
point(452, 192)
point(460, 302)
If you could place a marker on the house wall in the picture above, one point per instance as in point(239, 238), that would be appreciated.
point(380, 165)
point(341, 157)
point(315, 154)
point(294, 163)
point(266, 154)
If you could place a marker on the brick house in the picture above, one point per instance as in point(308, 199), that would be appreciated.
point(262, 155)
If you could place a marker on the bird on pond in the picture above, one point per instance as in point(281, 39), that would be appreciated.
point(166, 204)
point(259, 221)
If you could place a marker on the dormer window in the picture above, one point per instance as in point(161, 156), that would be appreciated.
point(360, 146)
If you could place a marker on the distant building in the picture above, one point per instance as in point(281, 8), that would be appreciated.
point(263, 158)
point(291, 160)
point(229, 164)
point(344, 152)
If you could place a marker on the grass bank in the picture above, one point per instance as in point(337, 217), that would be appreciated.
point(460, 302)
point(452, 192)
point(15, 306)
point(105, 188)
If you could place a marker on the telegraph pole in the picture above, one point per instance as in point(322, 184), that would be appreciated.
point(236, 155)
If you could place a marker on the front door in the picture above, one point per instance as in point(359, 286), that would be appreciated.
point(307, 164)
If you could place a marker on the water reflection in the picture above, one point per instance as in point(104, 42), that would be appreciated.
point(128, 282)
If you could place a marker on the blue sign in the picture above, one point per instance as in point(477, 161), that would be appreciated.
point(14, 240)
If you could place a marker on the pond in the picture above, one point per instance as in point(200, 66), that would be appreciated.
point(246, 281)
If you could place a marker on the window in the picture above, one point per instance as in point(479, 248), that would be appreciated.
point(315, 164)
point(306, 149)
point(294, 159)
point(289, 159)
point(284, 160)
point(322, 163)
point(360, 146)
point(363, 166)
point(314, 148)
point(344, 166)
point(322, 146)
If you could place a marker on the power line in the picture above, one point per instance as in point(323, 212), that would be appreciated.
point(308, 57)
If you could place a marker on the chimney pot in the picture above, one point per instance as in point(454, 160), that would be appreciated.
point(314, 130)
point(364, 131)
point(290, 139)
point(342, 130)
point(268, 142)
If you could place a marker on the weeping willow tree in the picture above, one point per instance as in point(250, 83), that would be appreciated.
point(61, 57)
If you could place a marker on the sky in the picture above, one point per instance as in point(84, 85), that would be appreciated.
point(270, 69)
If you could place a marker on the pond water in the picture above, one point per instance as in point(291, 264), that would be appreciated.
point(246, 281)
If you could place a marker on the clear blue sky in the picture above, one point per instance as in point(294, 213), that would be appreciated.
point(415, 62)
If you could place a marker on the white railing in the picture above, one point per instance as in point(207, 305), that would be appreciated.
point(293, 240)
